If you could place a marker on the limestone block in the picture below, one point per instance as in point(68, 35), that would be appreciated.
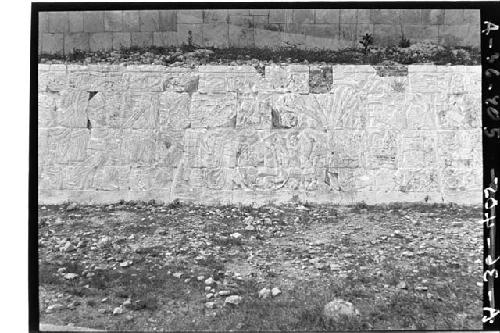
point(140, 110)
point(346, 108)
point(145, 81)
point(212, 83)
point(461, 112)
point(420, 111)
point(52, 80)
point(254, 111)
point(67, 145)
point(165, 38)
point(76, 41)
point(291, 78)
point(168, 20)
point(346, 148)
point(43, 146)
point(140, 178)
point(111, 178)
point(428, 83)
point(52, 43)
point(105, 109)
point(418, 149)
point(121, 39)
point(327, 15)
point(181, 80)
point(294, 110)
point(51, 177)
point(472, 80)
point(210, 148)
point(93, 21)
point(460, 149)
point(149, 20)
point(138, 147)
point(104, 146)
point(47, 107)
point(141, 39)
point(267, 38)
point(169, 147)
point(101, 41)
point(131, 20)
point(174, 110)
point(216, 34)
point(241, 36)
point(282, 149)
point(113, 20)
point(188, 184)
point(97, 81)
point(71, 109)
point(418, 180)
point(385, 114)
point(162, 177)
point(347, 179)
point(382, 148)
point(75, 21)
point(208, 111)
point(78, 177)
point(381, 179)
point(320, 79)
point(219, 79)
point(461, 179)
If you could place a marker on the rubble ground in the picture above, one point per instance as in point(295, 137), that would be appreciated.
point(148, 266)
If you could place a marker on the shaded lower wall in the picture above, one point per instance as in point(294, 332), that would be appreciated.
point(214, 134)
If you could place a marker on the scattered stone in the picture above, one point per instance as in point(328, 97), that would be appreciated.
point(236, 235)
point(209, 295)
point(250, 228)
point(61, 270)
point(264, 293)
point(72, 206)
point(200, 278)
point(54, 307)
point(233, 299)
point(209, 281)
point(224, 292)
point(127, 302)
point(68, 247)
point(338, 308)
point(402, 285)
point(208, 288)
point(187, 280)
point(101, 311)
point(210, 305)
point(177, 275)
point(104, 300)
point(125, 263)
point(70, 276)
point(457, 224)
point(275, 292)
point(118, 310)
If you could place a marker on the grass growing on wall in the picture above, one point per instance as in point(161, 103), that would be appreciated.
point(415, 54)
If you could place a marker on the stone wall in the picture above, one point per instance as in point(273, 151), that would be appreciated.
point(232, 134)
point(61, 32)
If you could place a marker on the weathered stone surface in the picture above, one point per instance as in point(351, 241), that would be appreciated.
point(463, 111)
point(174, 110)
point(381, 147)
point(418, 149)
point(145, 81)
point(140, 110)
point(104, 147)
point(67, 145)
point(169, 147)
point(292, 78)
point(460, 149)
point(210, 148)
point(138, 147)
point(111, 178)
point(209, 111)
point(47, 109)
point(97, 81)
point(254, 111)
point(221, 134)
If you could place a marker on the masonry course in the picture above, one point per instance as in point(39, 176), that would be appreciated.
point(305, 28)
point(217, 134)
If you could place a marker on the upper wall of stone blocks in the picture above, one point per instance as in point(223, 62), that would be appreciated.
point(61, 32)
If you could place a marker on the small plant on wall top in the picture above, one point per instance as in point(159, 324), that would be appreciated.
point(404, 42)
point(367, 41)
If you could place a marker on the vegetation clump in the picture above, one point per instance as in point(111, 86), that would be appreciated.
point(192, 55)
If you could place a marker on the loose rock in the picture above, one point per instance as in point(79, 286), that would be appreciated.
point(233, 299)
point(264, 293)
point(338, 308)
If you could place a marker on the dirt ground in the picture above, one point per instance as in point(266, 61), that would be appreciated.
point(147, 267)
